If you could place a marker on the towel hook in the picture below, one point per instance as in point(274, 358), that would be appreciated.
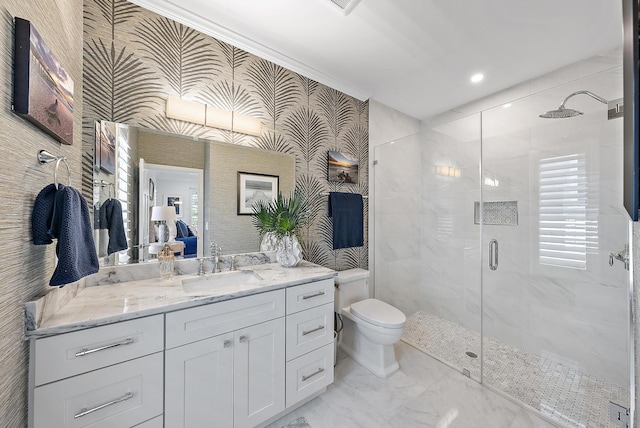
point(46, 157)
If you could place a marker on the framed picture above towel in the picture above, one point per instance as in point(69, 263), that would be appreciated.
point(253, 188)
point(108, 147)
point(43, 91)
point(342, 168)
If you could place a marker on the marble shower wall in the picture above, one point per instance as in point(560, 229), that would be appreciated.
point(135, 59)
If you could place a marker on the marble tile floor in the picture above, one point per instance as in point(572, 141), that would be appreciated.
point(559, 392)
point(423, 393)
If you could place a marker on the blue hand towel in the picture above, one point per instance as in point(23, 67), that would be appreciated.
point(347, 211)
point(71, 225)
point(41, 215)
point(115, 226)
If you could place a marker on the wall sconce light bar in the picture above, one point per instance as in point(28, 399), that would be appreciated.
point(246, 124)
point(202, 114)
point(218, 118)
point(188, 111)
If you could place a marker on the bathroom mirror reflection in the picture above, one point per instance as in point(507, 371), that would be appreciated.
point(144, 168)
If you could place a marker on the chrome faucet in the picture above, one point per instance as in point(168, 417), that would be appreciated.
point(201, 267)
point(216, 252)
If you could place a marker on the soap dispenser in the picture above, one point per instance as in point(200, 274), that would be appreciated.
point(166, 259)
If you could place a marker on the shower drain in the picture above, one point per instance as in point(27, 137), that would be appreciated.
point(471, 354)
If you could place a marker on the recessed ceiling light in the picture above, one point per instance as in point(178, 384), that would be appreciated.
point(477, 77)
point(507, 105)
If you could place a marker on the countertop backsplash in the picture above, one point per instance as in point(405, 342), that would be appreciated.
point(140, 271)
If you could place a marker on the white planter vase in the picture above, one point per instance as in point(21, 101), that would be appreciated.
point(269, 242)
point(289, 252)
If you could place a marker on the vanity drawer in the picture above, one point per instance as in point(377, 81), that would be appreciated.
point(309, 330)
point(202, 322)
point(123, 395)
point(310, 295)
point(309, 374)
point(69, 354)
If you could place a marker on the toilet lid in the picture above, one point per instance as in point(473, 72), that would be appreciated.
point(378, 313)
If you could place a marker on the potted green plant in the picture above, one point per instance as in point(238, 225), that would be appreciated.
point(278, 223)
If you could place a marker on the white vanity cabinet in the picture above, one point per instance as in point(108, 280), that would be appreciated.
point(236, 363)
point(101, 377)
point(227, 364)
point(309, 340)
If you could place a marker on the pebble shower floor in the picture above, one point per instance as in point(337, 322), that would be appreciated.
point(559, 392)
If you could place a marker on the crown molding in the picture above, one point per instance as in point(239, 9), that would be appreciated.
point(170, 10)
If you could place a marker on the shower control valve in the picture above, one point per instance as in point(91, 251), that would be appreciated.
point(622, 255)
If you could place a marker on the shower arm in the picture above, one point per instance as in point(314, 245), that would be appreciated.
point(591, 94)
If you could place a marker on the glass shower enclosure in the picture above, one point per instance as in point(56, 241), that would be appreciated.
point(501, 235)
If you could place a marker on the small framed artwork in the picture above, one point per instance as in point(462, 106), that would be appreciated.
point(174, 201)
point(342, 168)
point(253, 188)
point(43, 91)
point(108, 147)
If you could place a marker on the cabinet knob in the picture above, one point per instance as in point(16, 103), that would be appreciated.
point(243, 338)
point(226, 343)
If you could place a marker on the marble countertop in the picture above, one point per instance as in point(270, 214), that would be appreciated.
point(104, 304)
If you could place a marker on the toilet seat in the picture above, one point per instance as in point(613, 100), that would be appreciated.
point(378, 313)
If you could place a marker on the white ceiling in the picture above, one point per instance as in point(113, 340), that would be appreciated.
point(416, 56)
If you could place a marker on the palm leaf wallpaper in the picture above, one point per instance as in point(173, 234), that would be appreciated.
point(134, 59)
point(184, 56)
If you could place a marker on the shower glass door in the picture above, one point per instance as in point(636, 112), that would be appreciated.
point(555, 313)
point(427, 247)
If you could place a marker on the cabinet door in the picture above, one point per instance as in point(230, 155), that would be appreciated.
point(199, 384)
point(259, 368)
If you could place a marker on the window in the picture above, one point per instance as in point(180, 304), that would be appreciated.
point(568, 228)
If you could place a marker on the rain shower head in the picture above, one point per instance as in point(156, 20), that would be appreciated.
point(562, 112)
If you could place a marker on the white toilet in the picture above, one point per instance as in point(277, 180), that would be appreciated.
point(371, 327)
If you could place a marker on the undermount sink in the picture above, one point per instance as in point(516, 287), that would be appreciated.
point(211, 282)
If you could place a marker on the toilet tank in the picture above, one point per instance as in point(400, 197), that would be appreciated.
point(352, 285)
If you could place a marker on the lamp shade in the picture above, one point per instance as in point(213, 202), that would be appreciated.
point(163, 213)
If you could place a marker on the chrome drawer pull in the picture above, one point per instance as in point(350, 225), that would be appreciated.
point(85, 412)
point(243, 338)
point(320, 327)
point(86, 351)
point(226, 343)
point(317, 372)
point(310, 296)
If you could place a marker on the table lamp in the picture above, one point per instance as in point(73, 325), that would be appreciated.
point(162, 215)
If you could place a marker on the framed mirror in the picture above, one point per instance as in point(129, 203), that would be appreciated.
point(147, 168)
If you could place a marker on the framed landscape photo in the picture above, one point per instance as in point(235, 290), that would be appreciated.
point(342, 168)
point(43, 91)
point(253, 188)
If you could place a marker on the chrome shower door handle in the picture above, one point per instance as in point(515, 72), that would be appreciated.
point(493, 254)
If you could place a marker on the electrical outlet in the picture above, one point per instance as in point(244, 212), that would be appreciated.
point(619, 415)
